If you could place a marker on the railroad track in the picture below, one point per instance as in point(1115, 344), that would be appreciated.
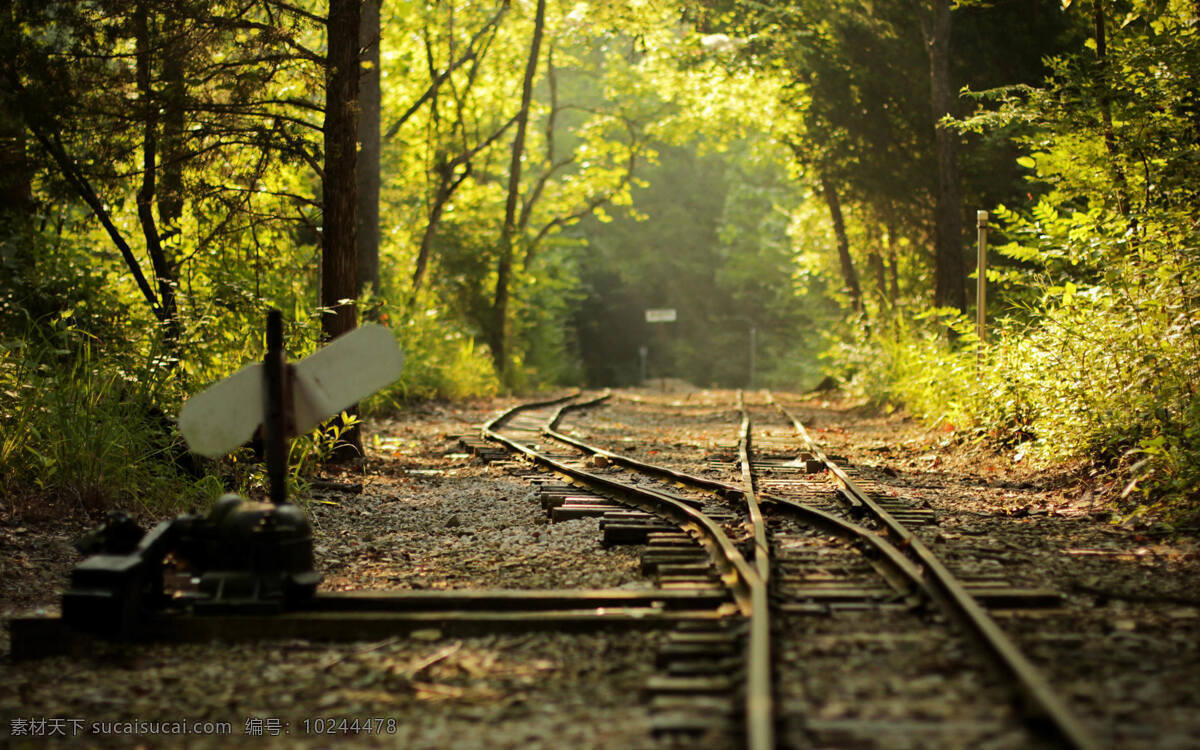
point(814, 564)
point(801, 607)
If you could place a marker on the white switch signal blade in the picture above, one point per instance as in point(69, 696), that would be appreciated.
point(226, 414)
point(350, 368)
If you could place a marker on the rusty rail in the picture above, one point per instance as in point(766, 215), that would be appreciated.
point(1041, 706)
point(747, 586)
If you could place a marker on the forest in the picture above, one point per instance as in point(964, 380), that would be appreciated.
point(509, 185)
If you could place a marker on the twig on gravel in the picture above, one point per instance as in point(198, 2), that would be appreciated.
point(361, 650)
point(433, 658)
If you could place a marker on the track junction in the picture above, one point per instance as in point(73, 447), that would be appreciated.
point(758, 593)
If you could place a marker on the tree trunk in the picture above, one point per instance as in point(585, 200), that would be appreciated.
point(16, 177)
point(948, 270)
point(174, 103)
point(1115, 169)
point(498, 334)
point(164, 272)
point(849, 275)
point(16, 173)
point(875, 263)
point(893, 247)
point(369, 97)
point(339, 250)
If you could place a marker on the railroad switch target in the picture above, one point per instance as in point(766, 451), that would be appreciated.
point(246, 571)
point(254, 561)
point(243, 557)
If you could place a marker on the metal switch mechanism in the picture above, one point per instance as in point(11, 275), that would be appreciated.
point(243, 556)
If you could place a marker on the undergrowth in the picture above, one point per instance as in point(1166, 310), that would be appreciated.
point(84, 434)
point(1105, 372)
point(89, 410)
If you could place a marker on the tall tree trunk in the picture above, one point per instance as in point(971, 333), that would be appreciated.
point(893, 247)
point(164, 271)
point(948, 270)
point(174, 102)
point(1115, 169)
point(849, 275)
point(16, 177)
point(369, 97)
point(875, 262)
point(16, 173)
point(498, 335)
point(339, 249)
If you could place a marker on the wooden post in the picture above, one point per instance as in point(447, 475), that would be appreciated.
point(981, 218)
point(753, 354)
point(276, 401)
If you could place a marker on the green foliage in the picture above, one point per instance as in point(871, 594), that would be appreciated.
point(309, 452)
point(85, 434)
point(708, 237)
point(1104, 370)
point(1100, 374)
point(664, 166)
point(1094, 345)
point(440, 359)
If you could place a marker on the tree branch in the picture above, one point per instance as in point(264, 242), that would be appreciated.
point(442, 77)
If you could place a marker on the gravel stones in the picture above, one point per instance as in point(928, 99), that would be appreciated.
point(1123, 649)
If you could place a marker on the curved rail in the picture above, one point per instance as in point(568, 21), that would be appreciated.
point(899, 565)
point(759, 699)
point(901, 553)
point(748, 588)
point(900, 572)
point(758, 526)
point(1038, 700)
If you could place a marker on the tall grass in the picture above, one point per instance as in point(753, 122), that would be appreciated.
point(85, 435)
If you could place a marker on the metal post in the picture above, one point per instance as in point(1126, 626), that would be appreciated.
point(274, 401)
point(981, 218)
point(753, 352)
point(643, 354)
point(662, 358)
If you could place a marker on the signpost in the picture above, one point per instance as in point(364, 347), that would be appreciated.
point(243, 556)
point(661, 315)
point(753, 354)
point(981, 220)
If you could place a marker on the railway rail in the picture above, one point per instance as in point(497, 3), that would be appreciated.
point(752, 558)
point(756, 573)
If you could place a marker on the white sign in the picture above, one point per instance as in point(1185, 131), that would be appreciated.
point(661, 316)
point(349, 368)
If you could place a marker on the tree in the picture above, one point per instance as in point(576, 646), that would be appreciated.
point(164, 269)
point(949, 277)
point(453, 151)
point(849, 275)
point(339, 246)
point(370, 112)
point(498, 334)
point(848, 82)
